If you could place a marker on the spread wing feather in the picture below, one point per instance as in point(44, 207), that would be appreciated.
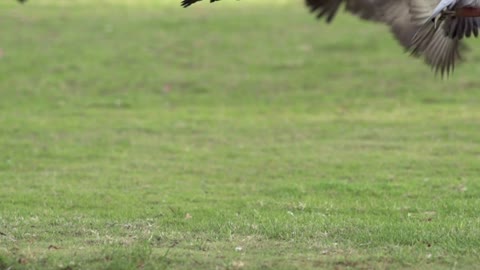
point(439, 45)
point(394, 13)
point(186, 3)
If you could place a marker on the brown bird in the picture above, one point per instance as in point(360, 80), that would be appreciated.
point(443, 26)
point(410, 21)
point(429, 29)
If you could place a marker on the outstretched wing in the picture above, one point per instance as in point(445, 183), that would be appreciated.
point(324, 8)
point(394, 13)
point(406, 19)
point(328, 8)
point(186, 3)
point(440, 45)
point(410, 24)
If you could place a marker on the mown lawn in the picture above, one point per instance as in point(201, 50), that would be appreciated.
point(240, 135)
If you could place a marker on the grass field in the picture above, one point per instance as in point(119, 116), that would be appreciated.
point(240, 135)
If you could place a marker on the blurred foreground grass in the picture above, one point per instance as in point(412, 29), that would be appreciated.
point(235, 135)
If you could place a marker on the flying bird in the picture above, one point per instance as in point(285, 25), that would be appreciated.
point(442, 26)
point(429, 29)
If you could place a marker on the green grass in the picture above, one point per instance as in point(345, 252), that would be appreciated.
point(230, 136)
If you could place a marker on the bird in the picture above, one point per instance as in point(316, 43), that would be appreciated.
point(412, 24)
point(427, 29)
point(442, 28)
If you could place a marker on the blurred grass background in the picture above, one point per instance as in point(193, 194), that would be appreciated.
point(232, 135)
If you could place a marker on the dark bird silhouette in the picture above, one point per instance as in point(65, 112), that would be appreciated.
point(186, 3)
